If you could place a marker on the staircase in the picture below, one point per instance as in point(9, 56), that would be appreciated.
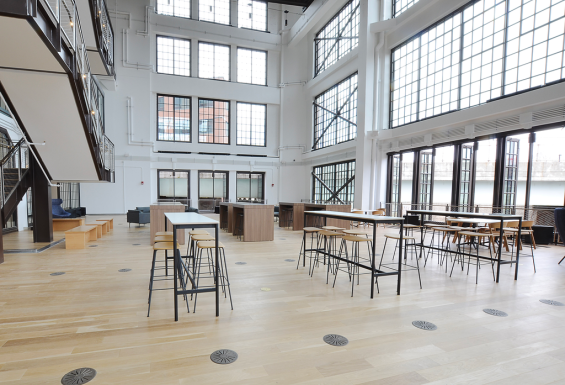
point(15, 179)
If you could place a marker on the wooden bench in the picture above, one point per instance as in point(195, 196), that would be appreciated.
point(64, 224)
point(78, 237)
point(99, 228)
point(109, 221)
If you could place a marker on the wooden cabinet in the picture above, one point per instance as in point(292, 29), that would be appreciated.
point(226, 214)
point(330, 221)
point(297, 210)
point(157, 223)
point(258, 221)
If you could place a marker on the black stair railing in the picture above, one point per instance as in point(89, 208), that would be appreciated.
point(12, 168)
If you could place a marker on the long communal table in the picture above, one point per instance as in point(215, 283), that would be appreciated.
point(487, 218)
point(374, 220)
point(192, 221)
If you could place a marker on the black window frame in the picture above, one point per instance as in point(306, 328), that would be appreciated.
point(238, 66)
point(214, 61)
point(174, 171)
point(251, 118)
point(157, 55)
point(250, 173)
point(214, 121)
point(189, 98)
point(349, 185)
point(213, 172)
point(266, 16)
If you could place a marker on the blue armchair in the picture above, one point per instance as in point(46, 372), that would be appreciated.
point(141, 216)
point(58, 211)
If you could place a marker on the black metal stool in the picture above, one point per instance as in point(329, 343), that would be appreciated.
point(405, 256)
point(223, 278)
point(238, 231)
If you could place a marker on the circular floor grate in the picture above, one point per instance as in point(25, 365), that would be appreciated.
point(424, 325)
point(58, 273)
point(290, 260)
point(241, 263)
point(496, 313)
point(78, 376)
point(124, 270)
point(265, 289)
point(282, 239)
point(93, 246)
point(551, 302)
point(224, 356)
point(335, 340)
point(136, 244)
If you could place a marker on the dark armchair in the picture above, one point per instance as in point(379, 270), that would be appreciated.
point(141, 216)
point(58, 211)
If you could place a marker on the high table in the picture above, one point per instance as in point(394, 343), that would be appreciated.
point(374, 219)
point(486, 218)
point(192, 221)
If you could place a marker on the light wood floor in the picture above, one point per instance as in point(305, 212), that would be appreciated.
point(94, 316)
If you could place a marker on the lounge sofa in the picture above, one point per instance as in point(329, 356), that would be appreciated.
point(141, 216)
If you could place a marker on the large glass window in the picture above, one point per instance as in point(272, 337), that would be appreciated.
point(173, 118)
point(216, 11)
point(173, 56)
point(484, 173)
point(335, 114)
point(213, 185)
point(548, 168)
point(250, 187)
point(400, 6)
point(500, 53)
point(251, 124)
point(173, 186)
point(252, 14)
point(443, 177)
point(466, 177)
point(213, 61)
point(395, 185)
point(338, 37)
point(213, 121)
point(179, 8)
point(426, 178)
point(406, 177)
point(251, 66)
point(334, 182)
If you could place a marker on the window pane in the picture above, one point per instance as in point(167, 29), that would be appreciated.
point(484, 185)
point(338, 37)
point(213, 61)
point(173, 56)
point(252, 14)
point(335, 114)
point(179, 8)
point(251, 66)
point(337, 176)
point(400, 6)
point(217, 11)
point(251, 124)
point(548, 173)
point(250, 187)
point(443, 176)
point(213, 121)
point(173, 118)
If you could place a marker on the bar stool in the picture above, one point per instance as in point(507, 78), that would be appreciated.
point(158, 246)
point(329, 239)
point(470, 236)
point(526, 230)
point(164, 238)
point(190, 248)
point(408, 228)
point(303, 249)
point(163, 233)
point(223, 278)
point(445, 244)
point(288, 217)
point(406, 244)
point(354, 258)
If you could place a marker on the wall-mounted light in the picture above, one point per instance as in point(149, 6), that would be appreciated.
point(286, 18)
point(72, 23)
point(93, 112)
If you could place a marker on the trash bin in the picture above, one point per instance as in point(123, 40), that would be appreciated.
point(543, 234)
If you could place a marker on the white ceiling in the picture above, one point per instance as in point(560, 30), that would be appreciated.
point(46, 106)
point(22, 47)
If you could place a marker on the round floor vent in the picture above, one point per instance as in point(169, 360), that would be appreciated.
point(224, 356)
point(58, 273)
point(496, 313)
point(424, 325)
point(335, 340)
point(551, 302)
point(78, 376)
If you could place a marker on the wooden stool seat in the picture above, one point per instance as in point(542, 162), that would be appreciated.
point(164, 246)
point(163, 233)
point(409, 226)
point(354, 232)
point(163, 238)
point(311, 229)
point(325, 233)
point(354, 238)
point(395, 236)
point(206, 237)
point(447, 229)
point(198, 232)
point(210, 245)
point(514, 230)
point(332, 228)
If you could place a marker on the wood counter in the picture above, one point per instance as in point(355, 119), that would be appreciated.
point(157, 220)
point(297, 214)
point(327, 207)
point(226, 213)
point(258, 221)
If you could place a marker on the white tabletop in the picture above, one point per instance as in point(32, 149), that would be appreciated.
point(360, 217)
point(189, 219)
point(479, 220)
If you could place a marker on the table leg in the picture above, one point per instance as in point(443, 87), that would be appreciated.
point(175, 269)
point(217, 274)
point(518, 248)
point(373, 260)
point(499, 251)
point(400, 258)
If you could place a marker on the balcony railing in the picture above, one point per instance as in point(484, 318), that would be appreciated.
point(106, 36)
point(65, 13)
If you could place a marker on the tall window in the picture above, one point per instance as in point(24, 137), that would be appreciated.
point(251, 124)
point(251, 66)
point(250, 187)
point(252, 14)
point(335, 114)
point(467, 153)
point(70, 194)
point(173, 118)
point(173, 186)
point(399, 6)
point(213, 185)
point(216, 11)
point(179, 8)
point(173, 56)
point(338, 37)
point(334, 182)
point(213, 61)
point(510, 182)
point(475, 55)
point(426, 175)
point(213, 121)
point(395, 185)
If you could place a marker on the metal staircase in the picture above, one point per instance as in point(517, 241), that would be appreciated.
point(15, 178)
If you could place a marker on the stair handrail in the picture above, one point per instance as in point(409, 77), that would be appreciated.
point(15, 150)
point(12, 150)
